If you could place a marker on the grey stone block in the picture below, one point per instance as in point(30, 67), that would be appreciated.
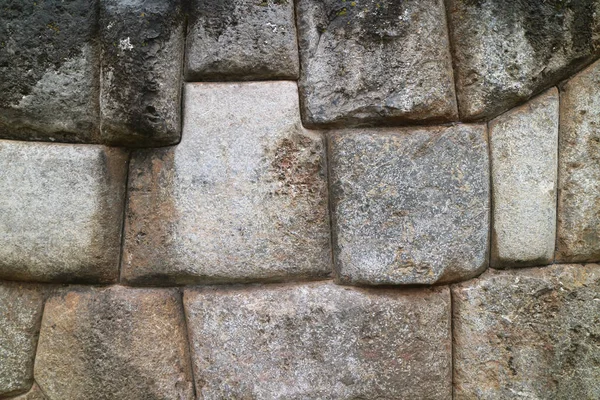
point(20, 316)
point(374, 62)
point(320, 341)
point(506, 52)
point(528, 333)
point(62, 211)
point(578, 235)
point(34, 394)
point(142, 65)
point(242, 198)
point(241, 40)
point(410, 206)
point(49, 62)
point(524, 159)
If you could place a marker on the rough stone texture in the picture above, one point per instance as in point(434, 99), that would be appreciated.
point(241, 40)
point(524, 159)
point(374, 62)
point(320, 341)
point(242, 198)
point(578, 235)
point(49, 70)
point(20, 315)
point(410, 206)
point(506, 52)
point(142, 60)
point(61, 208)
point(34, 394)
point(528, 334)
point(114, 343)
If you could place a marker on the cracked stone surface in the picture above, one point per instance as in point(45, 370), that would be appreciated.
point(20, 315)
point(528, 333)
point(61, 207)
point(374, 62)
point(504, 54)
point(320, 341)
point(410, 206)
point(241, 40)
point(579, 169)
point(49, 68)
point(242, 198)
point(524, 159)
point(114, 343)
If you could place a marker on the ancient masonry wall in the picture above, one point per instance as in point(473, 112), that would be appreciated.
point(326, 199)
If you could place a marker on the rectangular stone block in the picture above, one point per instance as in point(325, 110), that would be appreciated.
point(114, 343)
point(241, 40)
point(20, 316)
point(374, 62)
point(242, 198)
point(578, 234)
point(410, 206)
point(528, 334)
point(142, 63)
point(320, 341)
point(62, 211)
point(524, 158)
point(49, 63)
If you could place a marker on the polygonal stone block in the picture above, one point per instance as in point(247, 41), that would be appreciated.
point(243, 197)
point(410, 206)
point(320, 341)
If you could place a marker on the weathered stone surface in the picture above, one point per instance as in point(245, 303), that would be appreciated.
point(578, 234)
point(62, 211)
point(410, 206)
point(505, 53)
point(241, 40)
point(320, 341)
point(20, 315)
point(142, 62)
point(34, 394)
point(524, 159)
point(528, 334)
point(242, 198)
point(374, 62)
point(49, 70)
point(114, 343)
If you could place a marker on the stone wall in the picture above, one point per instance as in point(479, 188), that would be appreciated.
point(319, 199)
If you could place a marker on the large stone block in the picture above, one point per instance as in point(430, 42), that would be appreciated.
point(374, 62)
point(320, 341)
point(142, 62)
point(524, 159)
point(62, 211)
point(530, 333)
point(506, 52)
point(242, 198)
point(34, 394)
point(578, 234)
point(20, 315)
point(49, 70)
point(114, 343)
point(410, 206)
point(241, 40)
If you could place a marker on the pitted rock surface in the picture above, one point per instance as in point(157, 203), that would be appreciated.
point(320, 341)
point(579, 169)
point(49, 62)
point(410, 206)
point(20, 316)
point(374, 62)
point(34, 394)
point(61, 208)
point(528, 333)
point(114, 343)
point(505, 52)
point(242, 198)
point(524, 159)
point(142, 57)
point(241, 40)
